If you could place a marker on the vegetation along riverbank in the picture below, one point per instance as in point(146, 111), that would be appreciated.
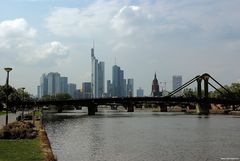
point(25, 141)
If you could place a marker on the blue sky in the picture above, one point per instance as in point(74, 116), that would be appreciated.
point(169, 37)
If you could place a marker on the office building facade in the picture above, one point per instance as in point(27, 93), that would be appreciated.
point(140, 92)
point(176, 83)
point(86, 90)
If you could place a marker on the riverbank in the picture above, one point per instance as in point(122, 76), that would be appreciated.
point(37, 149)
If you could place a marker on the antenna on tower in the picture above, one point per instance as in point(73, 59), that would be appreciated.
point(115, 60)
point(92, 50)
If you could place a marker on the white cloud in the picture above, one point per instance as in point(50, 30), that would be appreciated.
point(109, 19)
point(16, 33)
point(85, 22)
point(130, 20)
point(17, 41)
point(48, 54)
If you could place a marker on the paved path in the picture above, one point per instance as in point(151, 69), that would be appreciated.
point(11, 118)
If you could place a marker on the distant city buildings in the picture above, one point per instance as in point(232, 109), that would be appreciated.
point(97, 76)
point(140, 92)
point(52, 84)
point(176, 83)
point(86, 90)
point(130, 87)
point(119, 87)
point(72, 89)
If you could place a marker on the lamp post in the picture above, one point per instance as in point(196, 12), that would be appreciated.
point(7, 92)
point(22, 117)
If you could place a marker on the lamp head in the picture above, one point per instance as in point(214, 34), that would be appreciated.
point(7, 69)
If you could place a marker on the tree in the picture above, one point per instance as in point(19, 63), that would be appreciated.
point(63, 96)
point(14, 95)
point(233, 91)
point(188, 92)
point(59, 96)
point(47, 98)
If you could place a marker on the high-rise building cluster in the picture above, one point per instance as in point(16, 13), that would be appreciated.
point(120, 87)
point(53, 83)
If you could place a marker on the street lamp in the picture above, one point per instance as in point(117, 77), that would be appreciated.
point(7, 92)
point(22, 105)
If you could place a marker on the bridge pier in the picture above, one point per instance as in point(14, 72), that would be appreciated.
point(59, 109)
point(163, 108)
point(113, 107)
point(202, 108)
point(130, 107)
point(92, 108)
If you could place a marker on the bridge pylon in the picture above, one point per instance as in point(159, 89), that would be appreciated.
point(202, 107)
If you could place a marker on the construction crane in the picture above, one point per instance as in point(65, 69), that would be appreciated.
point(164, 87)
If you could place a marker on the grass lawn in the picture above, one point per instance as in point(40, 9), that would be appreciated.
point(2, 113)
point(20, 150)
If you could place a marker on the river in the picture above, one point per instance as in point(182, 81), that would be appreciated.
point(143, 136)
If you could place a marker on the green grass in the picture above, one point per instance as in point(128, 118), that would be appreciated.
point(2, 113)
point(37, 113)
point(20, 150)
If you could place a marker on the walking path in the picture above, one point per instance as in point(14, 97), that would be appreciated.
point(11, 118)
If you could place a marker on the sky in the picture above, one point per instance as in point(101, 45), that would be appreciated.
point(169, 37)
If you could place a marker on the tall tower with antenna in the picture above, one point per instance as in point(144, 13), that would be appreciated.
point(97, 75)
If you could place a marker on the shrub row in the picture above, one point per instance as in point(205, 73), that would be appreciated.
point(19, 130)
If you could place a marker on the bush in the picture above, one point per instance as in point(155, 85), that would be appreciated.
point(19, 130)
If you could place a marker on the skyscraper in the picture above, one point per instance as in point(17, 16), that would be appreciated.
point(109, 88)
point(72, 89)
point(117, 81)
point(63, 84)
point(97, 76)
point(43, 85)
point(53, 83)
point(130, 87)
point(101, 79)
point(86, 90)
point(140, 92)
point(176, 83)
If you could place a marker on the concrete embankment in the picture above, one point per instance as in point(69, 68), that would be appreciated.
point(46, 146)
point(235, 113)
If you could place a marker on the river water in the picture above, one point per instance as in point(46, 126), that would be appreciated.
point(143, 136)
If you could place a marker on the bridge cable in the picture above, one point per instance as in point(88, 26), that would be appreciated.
point(215, 88)
point(220, 85)
point(183, 86)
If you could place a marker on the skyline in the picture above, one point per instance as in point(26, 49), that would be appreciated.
point(185, 38)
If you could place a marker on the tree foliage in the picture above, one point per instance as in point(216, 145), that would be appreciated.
point(59, 96)
point(232, 91)
point(188, 92)
point(14, 95)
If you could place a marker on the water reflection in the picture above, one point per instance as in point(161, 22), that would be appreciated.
point(148, 136)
